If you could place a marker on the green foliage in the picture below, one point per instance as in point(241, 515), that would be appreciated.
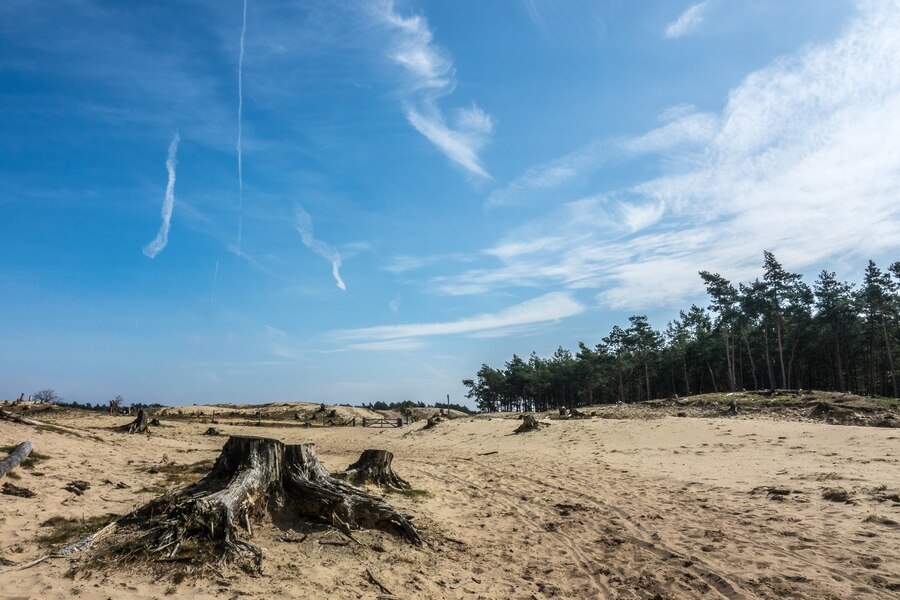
point(773, 332)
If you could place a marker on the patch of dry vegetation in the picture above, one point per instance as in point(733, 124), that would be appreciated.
point(60, 530)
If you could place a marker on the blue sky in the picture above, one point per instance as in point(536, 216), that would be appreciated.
point(419, 187)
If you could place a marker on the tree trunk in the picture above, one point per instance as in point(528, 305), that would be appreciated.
point(890, 355)
point(772, 384)
point(750, 355)
point(839, 369)
point(8, 416)
point(374, 467)
point(687, 380)
point(15, 458)
point(713, 376)
point(139, 425)
point(529, 423)
point(784, 381)
point(647, 378)
point(253, 477)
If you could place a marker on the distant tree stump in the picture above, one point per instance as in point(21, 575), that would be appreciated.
point(433, 420)
point(211, 519)
point(374, 468)
point(211, 431)
point(139, 425)
point(155, 422)
point(529, 423)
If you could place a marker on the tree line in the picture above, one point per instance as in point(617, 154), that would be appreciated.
point(776, 332)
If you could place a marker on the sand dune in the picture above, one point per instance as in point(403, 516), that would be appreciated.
point(597, 508)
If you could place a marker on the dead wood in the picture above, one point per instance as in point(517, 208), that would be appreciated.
point(529, 423)
point(15, 458)
point(139, 425)
point(14, 490)
point(8, 416)
point(327, 542)
point(211, 431)
point(155, 422)
point(433, 420)
point(253, 478)
point(77, 487)
point(374, 468)
point(381, 586)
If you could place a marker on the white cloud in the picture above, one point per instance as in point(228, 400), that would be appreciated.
point(689, 21)
point(305, 229)
point(641, 216)
point(388, 345)
point(162, 237)
point(431, 75)
point(802, 160)
point(547, 308)
point(688, 129)
point(275, 332)
point(460, 144)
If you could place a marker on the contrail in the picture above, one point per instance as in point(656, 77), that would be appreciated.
point(162, 238)
point(240, 152)
point(304, 228)
point(212, 294)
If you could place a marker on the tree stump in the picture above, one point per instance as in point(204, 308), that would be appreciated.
point(252, 478)
point(15, 458)
point(433, 420)
point(374, 468)
point(529, 423)
point(211, 431)
point(139, 425)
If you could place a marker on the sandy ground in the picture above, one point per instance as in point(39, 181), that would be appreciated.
point(598, 508)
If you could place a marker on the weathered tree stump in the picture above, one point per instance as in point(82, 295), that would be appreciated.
point(374, 468)
point(139, 425)
point(433, 420)
point(529, 423)
point(15, 458)
point(155, 422)
point(253, 477)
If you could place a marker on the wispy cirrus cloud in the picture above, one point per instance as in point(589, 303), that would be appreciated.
point(544, 309)
point(162, 237)
point(305, 229)
point(430, 76)
point(685, 129)
point(689, 21)
point(802, 160)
